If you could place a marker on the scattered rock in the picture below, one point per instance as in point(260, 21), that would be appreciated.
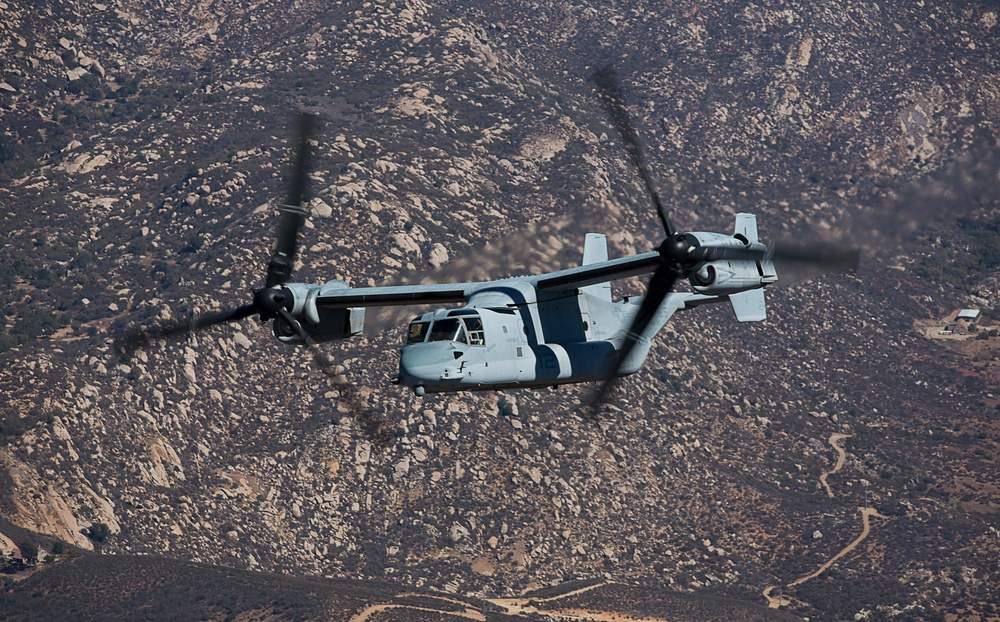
point(438, 255)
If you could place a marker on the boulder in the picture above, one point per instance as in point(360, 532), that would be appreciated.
point(321, 208)
point(438, 255)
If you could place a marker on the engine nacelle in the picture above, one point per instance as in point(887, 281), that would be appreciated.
point(729, 276)
point(717, 278)
point(320, 324)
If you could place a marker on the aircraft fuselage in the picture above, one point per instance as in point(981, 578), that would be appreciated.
point(472, 348)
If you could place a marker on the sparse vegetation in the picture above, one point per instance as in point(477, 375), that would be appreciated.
point(963, 264)
point(29, 552)
point(98, 532)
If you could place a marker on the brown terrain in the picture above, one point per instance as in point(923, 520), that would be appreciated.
point(836, 462)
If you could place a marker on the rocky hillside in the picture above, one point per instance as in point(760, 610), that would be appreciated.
point(144, 148)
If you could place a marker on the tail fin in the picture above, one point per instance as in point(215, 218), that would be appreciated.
point(746, 225)
point(595, 250)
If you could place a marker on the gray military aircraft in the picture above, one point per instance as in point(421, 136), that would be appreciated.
point(529, 331)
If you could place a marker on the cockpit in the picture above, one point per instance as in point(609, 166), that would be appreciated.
point(460, 326)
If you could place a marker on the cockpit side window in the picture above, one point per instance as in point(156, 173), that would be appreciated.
point(445, 330)
point(417, 332)
point(474, 326)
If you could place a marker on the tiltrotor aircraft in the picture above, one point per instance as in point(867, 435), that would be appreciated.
point(530, 331)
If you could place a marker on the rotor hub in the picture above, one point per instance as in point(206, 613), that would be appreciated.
point(677, 247)
point(270, 300)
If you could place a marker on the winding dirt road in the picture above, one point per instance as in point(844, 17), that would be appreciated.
point(514, 607)
point(866, 514)
point(521, 606)
point(468, 614)
point(841, 456)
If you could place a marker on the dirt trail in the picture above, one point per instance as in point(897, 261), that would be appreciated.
point(520, 606)
point(514, 607)
point(841, 456)
point(585, 614)
point(468, 614)
point(866, 514)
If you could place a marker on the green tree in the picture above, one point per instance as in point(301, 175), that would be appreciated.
point(35, 323)
point(98, 532)
point(195, 243)
point(29, 552)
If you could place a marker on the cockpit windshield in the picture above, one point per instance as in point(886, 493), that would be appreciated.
point(417, 332)
point(468, 330)
point(449, 329)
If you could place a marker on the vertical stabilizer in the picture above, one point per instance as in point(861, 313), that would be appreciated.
point(746, 225)
point(595, 250)
point(749, 305)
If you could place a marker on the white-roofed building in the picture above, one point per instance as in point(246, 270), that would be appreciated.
point(968, 315)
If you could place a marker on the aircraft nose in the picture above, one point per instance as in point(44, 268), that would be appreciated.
point(424, 362)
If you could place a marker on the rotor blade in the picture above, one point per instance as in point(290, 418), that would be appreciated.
point(832, 258)
point(610, 91)
point(375, 427)
point(836, 258)
point(298, 180)
point(292, 214)
point(137, 338)
point(659, 286)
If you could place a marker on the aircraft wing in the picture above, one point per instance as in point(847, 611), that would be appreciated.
point(394, 295)
point(343, 297)
point(601, 272)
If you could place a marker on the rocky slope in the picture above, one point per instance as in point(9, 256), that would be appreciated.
point(145, 145)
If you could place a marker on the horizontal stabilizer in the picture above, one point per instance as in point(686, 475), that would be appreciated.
point(749, 305)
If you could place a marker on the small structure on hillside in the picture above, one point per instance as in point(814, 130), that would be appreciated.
point(968, 315)
point(959, 324)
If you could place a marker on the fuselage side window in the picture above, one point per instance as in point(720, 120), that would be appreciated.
point(474, 326)
point(417, 332)
point(446, 330)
